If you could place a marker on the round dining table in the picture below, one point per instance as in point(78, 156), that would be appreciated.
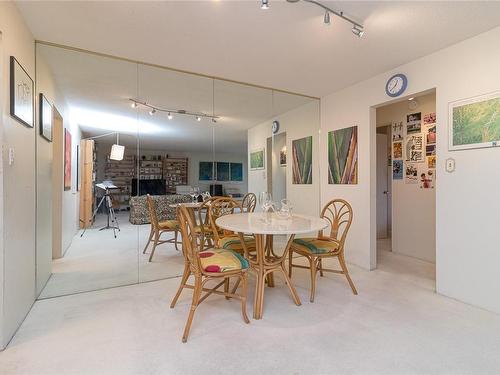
point(265, 261)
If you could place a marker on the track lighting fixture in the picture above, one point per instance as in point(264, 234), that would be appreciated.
point(214, 121)
point(357, 28)
point(326, 20)
point(169, 111)
point(264, 4)
point(358, 31)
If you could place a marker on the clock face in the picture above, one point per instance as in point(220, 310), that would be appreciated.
point(275, 127)
point(396, 85)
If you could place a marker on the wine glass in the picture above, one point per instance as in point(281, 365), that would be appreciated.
point(265, 200)
point(192, 194)
point(285, 211)
point(196, 191)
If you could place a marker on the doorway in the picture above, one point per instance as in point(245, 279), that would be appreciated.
point(276, 172)
point(405, 186)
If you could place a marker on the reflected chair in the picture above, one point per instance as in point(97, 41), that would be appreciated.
point(338, 212)
point(158, 228)
point(203, 228)
point(219, 265)
point(249, 202)
point(226, 239)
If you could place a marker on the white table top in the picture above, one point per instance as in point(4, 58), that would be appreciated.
point(256, 223)
point(187, 204)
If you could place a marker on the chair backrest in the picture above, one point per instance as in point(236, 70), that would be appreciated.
point(153, 217)
point(218, 208)
point(249, 202)
point(339, 213)
point(189, 244)
point(204, 208)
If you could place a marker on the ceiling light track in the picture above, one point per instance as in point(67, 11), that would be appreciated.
point(357, 28)
point(153, 109)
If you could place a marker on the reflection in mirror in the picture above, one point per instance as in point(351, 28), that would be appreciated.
point(79, 185)
point(178, 138)
point(131, 141)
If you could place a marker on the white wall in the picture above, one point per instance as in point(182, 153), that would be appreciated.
point(297, 123)
point(18, 183)
point(413, 208)
point(278, 172)
point(467, 251)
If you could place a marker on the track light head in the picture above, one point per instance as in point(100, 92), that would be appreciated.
point(326, 19)
point(264, 4)
point(152, 112)
point(169, 116)
point(214, 120)
point(198, 118)
point(134, 105)
point(358, 31)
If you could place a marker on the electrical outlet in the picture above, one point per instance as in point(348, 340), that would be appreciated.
point(450, 165)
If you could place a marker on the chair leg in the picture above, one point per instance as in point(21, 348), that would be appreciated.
point(320, 264)
point(176, 233)
point(243, 279)
point(157, 238)
point(290, 265)
point(346, 273)
point(226, 287)
point(313, 266)
point(149, 240)
point(194, 304)
point(185, 277)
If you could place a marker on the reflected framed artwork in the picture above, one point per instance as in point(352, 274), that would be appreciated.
point(222, 171)
point(236, 171)
point(257, 159)
point(302, 161)
point(206, 171)
point(46, 116)
point(67, 160)
point(343, 156)
point(475, 122)
point(22, 87)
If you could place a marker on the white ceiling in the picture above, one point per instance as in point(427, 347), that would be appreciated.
point(286, 47)
point(98, 91)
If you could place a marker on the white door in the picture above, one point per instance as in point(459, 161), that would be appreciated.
point(382, 186)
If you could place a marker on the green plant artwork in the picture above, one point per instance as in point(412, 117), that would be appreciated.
point(257, 159)
point(343, 156)
point(475, 122)
point(302, 160)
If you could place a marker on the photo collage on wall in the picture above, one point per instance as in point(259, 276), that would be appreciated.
point(414, 150)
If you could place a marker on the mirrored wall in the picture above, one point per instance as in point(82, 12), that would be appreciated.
point(113, 131)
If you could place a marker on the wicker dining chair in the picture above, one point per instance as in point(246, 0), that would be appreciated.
point(211, 264)
point(249, 202)
point(158, 228)
point(226, 239)
point(339, 214)
point(203, 228)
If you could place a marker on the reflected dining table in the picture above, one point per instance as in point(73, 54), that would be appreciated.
point(265, 261)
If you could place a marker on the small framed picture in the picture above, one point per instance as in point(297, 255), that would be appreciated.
point(45, 118)
point(257, 159)
point(22, 106)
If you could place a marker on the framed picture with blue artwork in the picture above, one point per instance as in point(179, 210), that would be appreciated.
point(206, 171)
point(236, 171)
point(222, 171)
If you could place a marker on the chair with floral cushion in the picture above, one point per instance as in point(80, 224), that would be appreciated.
point(218, 265)
point(158, 228)
point(339, 213)
point(226, 239)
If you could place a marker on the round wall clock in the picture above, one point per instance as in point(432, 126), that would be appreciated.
point(396, 85)
point(276, 126)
